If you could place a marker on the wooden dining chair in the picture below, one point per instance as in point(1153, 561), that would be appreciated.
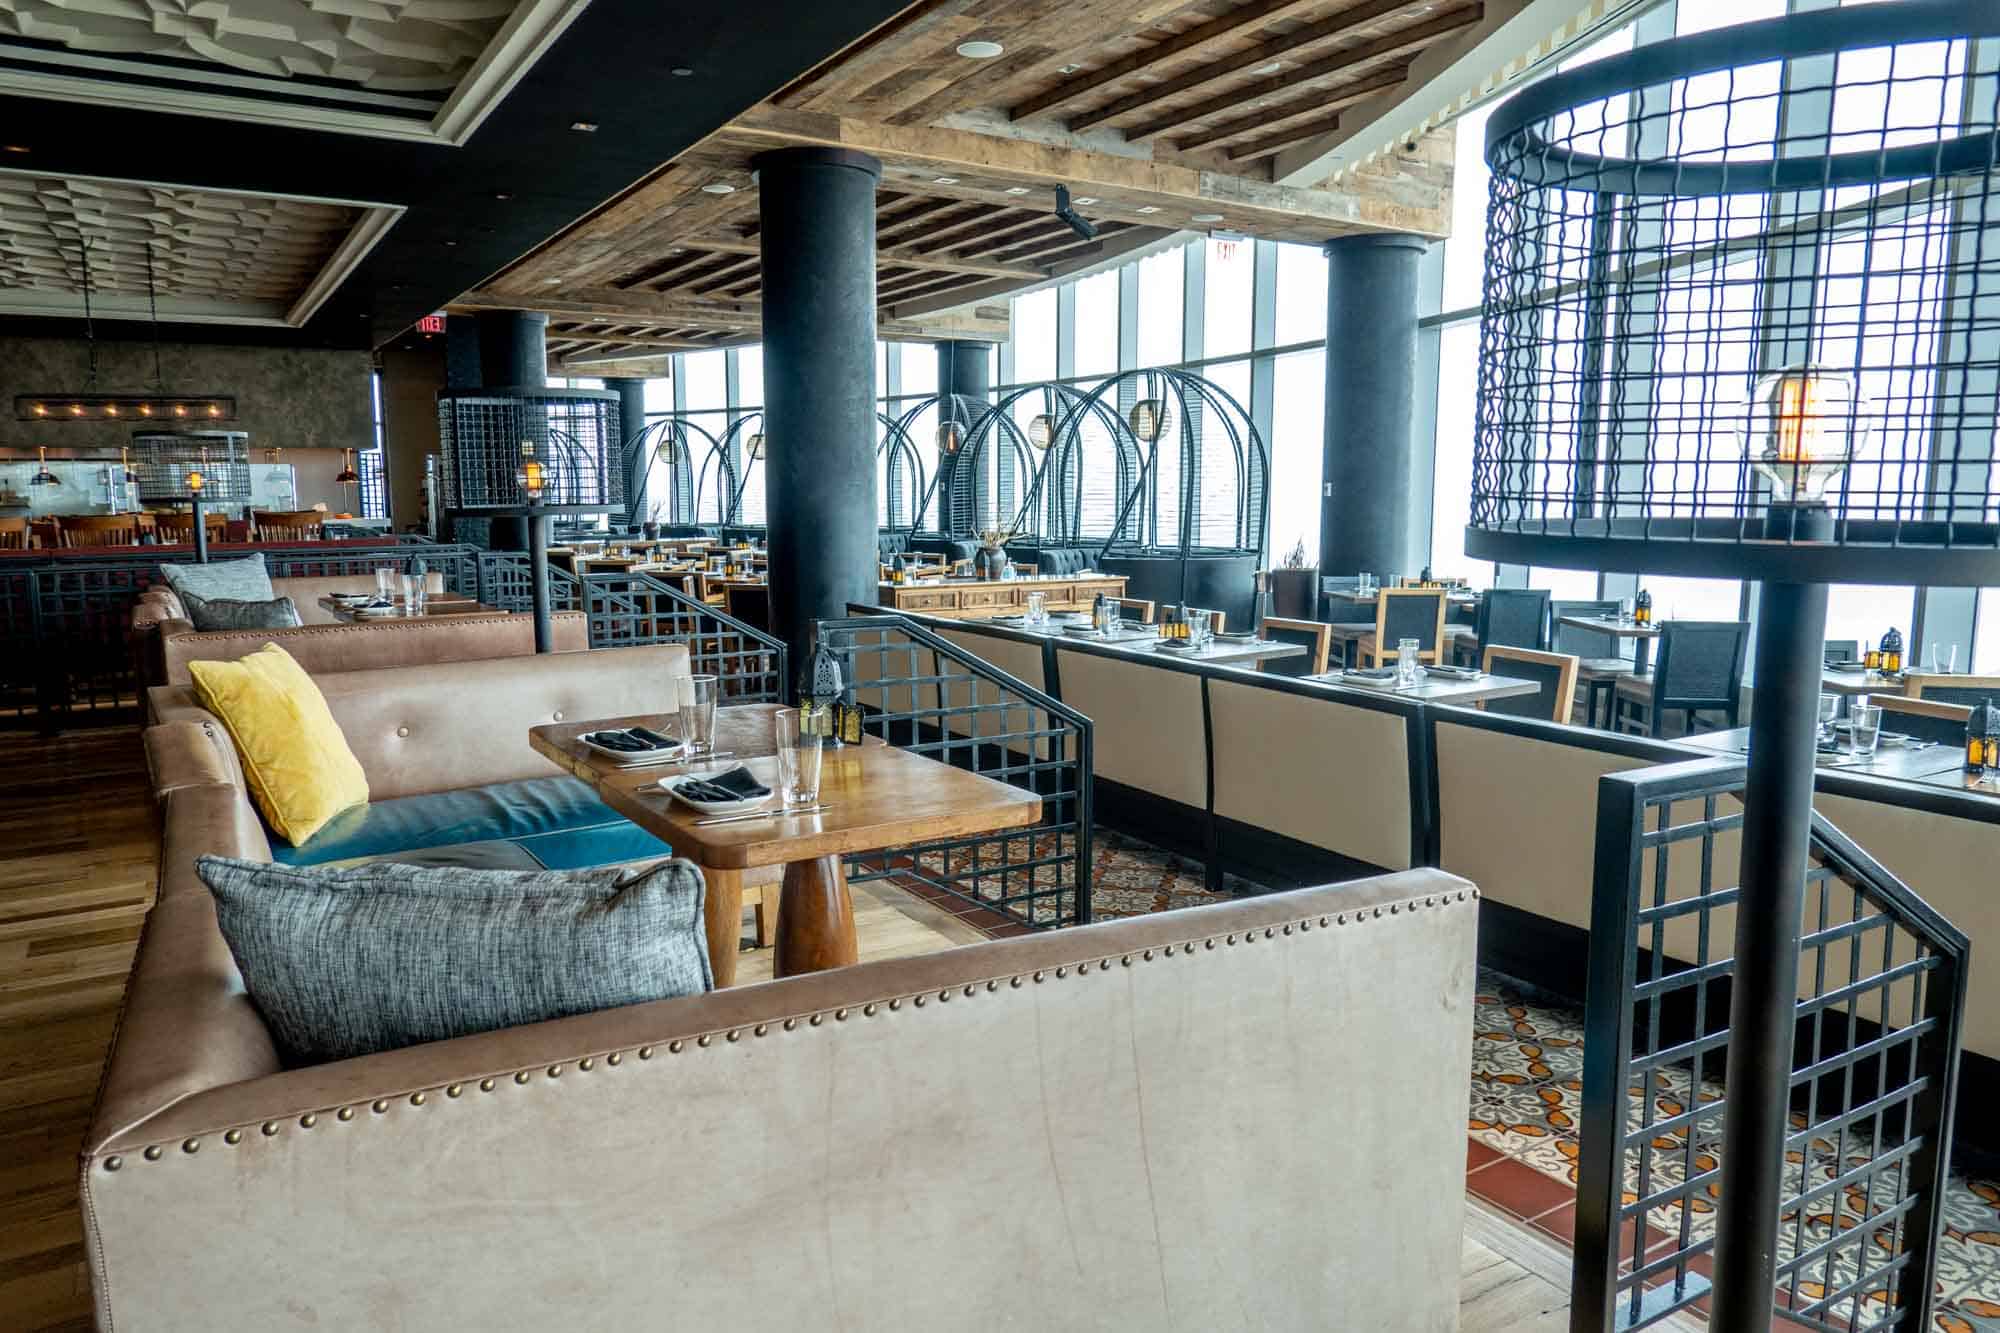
point(1940, 688)
point(45, 533)
point(1315, 636)
point(98, 529)
point(293, 525)
point(1924, 719)
point(178, 528)
point(1405, 613)
point(13, 534)
point(1554, 672)
point(1134, 608)
point(748, 603)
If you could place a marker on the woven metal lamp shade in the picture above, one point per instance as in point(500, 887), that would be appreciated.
point(161, 460)
point(1761, 261)
point(574, 434)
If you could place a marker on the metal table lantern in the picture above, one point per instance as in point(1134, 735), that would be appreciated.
point(1742, 320)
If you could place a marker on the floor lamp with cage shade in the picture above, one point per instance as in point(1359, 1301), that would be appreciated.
point(1742, 320)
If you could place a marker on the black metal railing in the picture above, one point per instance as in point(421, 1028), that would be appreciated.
point(1881, 1003)
point(626, 609)
point(934, 698)
point(66, 655)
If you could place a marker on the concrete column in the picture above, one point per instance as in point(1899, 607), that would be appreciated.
point(1374, 514)
point(513, 349)
point(632, 420)
point(816, 207)
point(965, 367)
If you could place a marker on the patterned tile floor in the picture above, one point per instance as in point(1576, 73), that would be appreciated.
point(1527, 1067)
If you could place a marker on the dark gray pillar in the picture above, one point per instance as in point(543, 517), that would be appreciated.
point(965, 367)
point(1372, 509)
point(631, 421)
point(461, 352)
point(513, 349)
point(513, 352)
point(816, 207)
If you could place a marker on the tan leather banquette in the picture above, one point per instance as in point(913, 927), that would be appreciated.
point(1069, 1130)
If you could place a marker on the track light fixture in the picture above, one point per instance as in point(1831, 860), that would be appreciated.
point(1078, 223)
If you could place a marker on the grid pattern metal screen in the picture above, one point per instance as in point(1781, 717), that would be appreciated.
point(1881, 997)
point(933, 698)
point(573, 433)
point(1670, 228)
point(161, 460)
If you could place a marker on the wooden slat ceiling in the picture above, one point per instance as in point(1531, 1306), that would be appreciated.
point(1160, 117)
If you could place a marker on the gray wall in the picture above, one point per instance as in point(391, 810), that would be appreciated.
point(297, 398)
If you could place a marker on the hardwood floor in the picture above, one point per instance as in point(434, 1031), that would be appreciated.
point(77, 850)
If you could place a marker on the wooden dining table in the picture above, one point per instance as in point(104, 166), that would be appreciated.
point(872, 796)
point(1642, 636)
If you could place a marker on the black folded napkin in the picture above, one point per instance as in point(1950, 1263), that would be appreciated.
point(738, 784)
point(1371, 673)
point(632, 740)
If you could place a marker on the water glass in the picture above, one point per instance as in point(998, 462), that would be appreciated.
point(1038, 609)
point(1829, 708)
point(798, 759)
point(414, 593)
point(386, 581)
point(697, 696)
point(1627, 610)
point(1943, 659)
point(1364, 585)
point(1406, 663)
point(1866, 720)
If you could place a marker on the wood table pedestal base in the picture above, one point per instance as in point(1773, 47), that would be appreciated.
point(815, 918)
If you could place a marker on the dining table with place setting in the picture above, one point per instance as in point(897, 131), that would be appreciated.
point(1438, 684)
point(1187, 634)
point(752, 786)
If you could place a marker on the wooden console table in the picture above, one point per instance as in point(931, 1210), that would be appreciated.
point(979, 599)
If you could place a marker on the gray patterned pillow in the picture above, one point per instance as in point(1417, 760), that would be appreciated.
point(229, 613)
point(347, 962)
point(245, 580)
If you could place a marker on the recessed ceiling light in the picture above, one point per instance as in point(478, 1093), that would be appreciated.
point(1271, 68)
point(980, 50)
point(584, 126)
point(17, 148)
point(1146, 208)
point(1017, 189)
point(718, 187)
point(1205, 217)
point(502, 195)
point(945, 180)
point(1084, 200)
point(680, 71)
point(1068, 69)
point(451, 242)
point(550, 282)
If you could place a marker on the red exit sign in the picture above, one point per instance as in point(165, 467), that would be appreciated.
point(431, 324)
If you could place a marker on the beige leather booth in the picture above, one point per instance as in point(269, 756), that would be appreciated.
point(164, 641)
point(845, 1145)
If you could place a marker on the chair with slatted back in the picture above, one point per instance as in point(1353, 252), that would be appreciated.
point(1315, 636)
point(1699, 670)
point(98, 530)
point(1923, 719)
point(1601, 660)
point(296, 525)
point(1940, 688)
point(1134, 609)
point(13, 534)
point(178, 528)
point(1405, 613)
point(1554, 672)
point(748, 603)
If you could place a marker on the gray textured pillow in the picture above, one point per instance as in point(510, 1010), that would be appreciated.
point(245, 579)
point(229, 613)
point(347, 962)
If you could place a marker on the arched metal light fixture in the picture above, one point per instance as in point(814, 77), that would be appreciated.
point(43, 477)
point(1149, 419)
point(1041, 430)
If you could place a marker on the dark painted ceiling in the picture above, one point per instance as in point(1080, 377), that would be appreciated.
point(613, 67)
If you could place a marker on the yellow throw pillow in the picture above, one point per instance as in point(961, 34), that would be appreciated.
point(300, 771)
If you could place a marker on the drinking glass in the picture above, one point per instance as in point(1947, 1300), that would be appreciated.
point(697, 696)
point(1943, 659)
point(1364, 585)
point(798, 759)
point(1406, 663)
point(385, 585)
point(413, 594)
point(1106, 613)
point(1038, 609)
point(1866, 720)
point(1626, 610)
point(1829, 708)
